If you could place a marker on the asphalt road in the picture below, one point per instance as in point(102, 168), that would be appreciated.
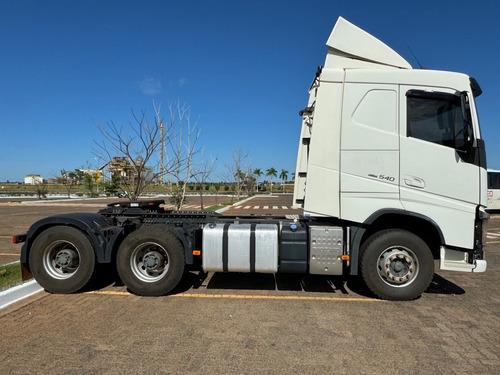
point(249, 324)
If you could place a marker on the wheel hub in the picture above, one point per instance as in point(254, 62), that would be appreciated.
point(61, 259)
point(65, 258)
point(397, 266)
point(149, 262)
point(153, 260)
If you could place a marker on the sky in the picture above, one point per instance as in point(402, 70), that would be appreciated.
point(242, 67)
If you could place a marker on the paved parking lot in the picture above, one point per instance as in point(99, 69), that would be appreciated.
point(246, 324)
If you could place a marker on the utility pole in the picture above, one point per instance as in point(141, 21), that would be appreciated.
point(162, 146)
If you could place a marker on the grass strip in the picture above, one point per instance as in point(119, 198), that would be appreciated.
point(10, 275)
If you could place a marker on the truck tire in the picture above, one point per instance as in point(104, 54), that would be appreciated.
point(62, 259)
point(150, 261)
point(396, 265)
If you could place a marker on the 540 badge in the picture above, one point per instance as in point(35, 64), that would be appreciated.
point(382, 177)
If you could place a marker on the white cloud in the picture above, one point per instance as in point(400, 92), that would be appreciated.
point(150, 86)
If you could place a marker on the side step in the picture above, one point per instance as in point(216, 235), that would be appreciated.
point(452, 260)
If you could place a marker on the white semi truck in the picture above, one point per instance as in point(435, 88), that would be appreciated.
point(391, 176)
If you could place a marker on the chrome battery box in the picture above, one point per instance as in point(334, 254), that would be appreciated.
point(233, 247)
point(326, 246)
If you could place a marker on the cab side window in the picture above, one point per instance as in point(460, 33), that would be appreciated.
point(435, 117)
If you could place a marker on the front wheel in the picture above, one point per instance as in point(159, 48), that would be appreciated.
point(396, 265)
point(150, 261)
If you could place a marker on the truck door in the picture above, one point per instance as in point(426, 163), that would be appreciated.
point(369, 148)
point(437, 177)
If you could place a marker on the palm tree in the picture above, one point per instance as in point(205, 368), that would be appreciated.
point(284, 177)
point(257, 173)
point(271, 172)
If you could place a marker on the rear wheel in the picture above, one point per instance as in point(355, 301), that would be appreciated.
point(62, 259)
point(396, 265)
point(150, 261)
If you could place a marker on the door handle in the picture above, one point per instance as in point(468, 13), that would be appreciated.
point(415, 182)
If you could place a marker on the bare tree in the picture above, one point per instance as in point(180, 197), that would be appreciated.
point(179, 150)
point(239, 170)
point(129, 150)
point(202, 173)
point(147, 151)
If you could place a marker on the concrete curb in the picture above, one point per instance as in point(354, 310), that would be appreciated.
point(244, 200)
point(219, 211)
point(18, 293)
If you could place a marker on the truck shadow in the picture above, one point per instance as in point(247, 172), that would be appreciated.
point(440, 285)
point(284, 282)
point(296, 282)
point(333, 285)
point(257, 281)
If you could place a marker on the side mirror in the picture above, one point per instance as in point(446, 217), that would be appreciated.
point(465, 106)
point(468, 131)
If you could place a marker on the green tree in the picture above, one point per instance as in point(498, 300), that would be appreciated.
point(271, 172)
point(90, 180)
point(112, 187)
point(284, 177)
point(69, 179)
point(257, 173)
point(41, 189)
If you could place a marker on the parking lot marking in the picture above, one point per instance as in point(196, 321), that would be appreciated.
point(299, 298)
point(263, 207)
point(246, 296)
point(10, 254)
point(190, 206)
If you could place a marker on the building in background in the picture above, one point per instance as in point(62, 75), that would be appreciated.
point(124, 169)
point(33, 179)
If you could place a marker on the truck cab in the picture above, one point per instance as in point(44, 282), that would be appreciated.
point(384, 144)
